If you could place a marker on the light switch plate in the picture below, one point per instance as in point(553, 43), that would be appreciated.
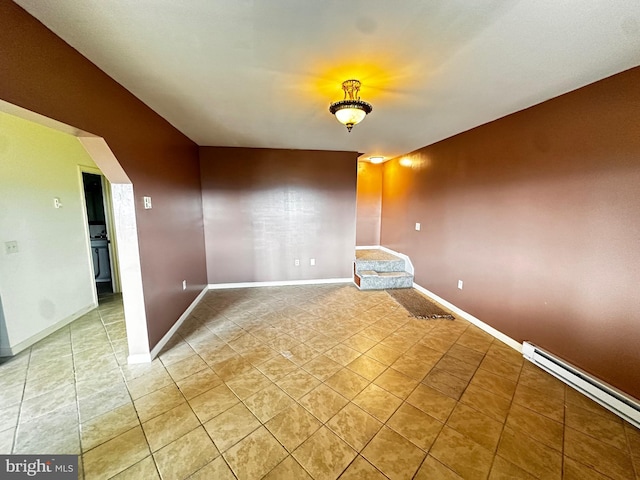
point(417, 227)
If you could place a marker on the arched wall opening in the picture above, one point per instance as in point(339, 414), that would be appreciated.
point(123, 205)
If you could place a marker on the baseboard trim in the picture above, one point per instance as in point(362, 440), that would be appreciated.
point(139, 358)
point(11, 350)
point(476, 321)
point(148, 357)
point(467, 316)
point(284, 283)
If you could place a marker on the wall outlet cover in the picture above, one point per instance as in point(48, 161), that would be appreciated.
point(460, 284)
point(11, 247)
point(417, 227)
point(147, 202)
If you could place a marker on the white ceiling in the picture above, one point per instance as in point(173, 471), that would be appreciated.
point(262, 73)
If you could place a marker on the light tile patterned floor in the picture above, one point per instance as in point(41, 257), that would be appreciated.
point(305, 382)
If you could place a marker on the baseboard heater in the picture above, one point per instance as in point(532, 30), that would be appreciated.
point(609, 397)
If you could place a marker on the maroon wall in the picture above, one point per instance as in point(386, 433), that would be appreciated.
point(369, 204)
point(40, 72)
point(539, 214)
point(264, 208)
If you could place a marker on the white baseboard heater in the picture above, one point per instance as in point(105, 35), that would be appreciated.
point(609, 397)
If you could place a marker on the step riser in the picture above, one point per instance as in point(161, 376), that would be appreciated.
point(380, 265)
point(384, 283)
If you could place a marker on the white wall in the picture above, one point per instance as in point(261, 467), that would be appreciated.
point(49, 282)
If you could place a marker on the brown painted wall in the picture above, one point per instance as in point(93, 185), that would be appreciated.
point(42, 73)
point(263, 208)
point(369, 204)
point(539, 214)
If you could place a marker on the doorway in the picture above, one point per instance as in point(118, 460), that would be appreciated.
point(120, 211)
point(100, 227)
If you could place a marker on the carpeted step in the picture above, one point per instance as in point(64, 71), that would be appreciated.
point(372, 280)
point(380, 265)
point(378, 261)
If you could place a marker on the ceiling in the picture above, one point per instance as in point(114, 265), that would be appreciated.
point(262, 73)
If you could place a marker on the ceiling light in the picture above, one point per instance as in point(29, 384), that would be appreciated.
point(376, 159)
point(351, 110)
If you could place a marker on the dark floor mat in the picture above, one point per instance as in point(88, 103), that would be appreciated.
point(417, 304)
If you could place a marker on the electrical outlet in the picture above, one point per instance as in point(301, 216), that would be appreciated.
point(56, 203)
point(11, 247)
point(296, 262)
point(184, 284)
point(460, 284)
point(417, 227)
point(147, 202)
point(312, 262)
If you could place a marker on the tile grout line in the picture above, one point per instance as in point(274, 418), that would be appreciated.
point(77, 403)
point(24, 387)
point(246, 326)
point(134, 408)
point(504, 424)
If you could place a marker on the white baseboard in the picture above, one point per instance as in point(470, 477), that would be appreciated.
point(11, 350)
point(139, 358)
point(148, 357)
point(285, 283)
point(467, 316)
point(369, 247)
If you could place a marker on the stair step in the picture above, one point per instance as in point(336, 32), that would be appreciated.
point(373, 273)
point(378, 261)
point(380, 265)
point(367, 273)
point(372, 280)
point(376, 269)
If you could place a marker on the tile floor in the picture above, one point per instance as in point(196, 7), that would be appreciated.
point(306, 382)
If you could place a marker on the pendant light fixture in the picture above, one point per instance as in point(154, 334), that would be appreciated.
point(351, 110)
